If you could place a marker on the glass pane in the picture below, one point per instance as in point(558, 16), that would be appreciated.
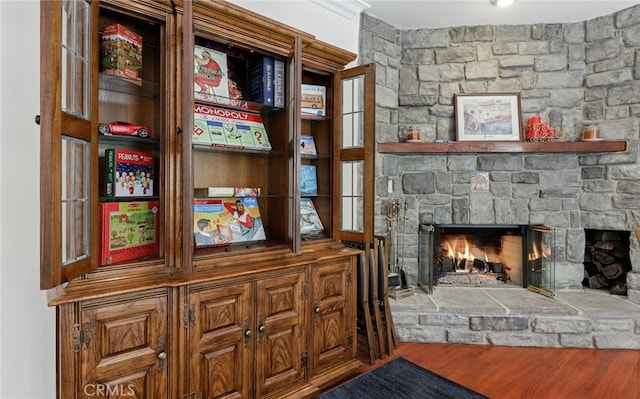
point(81, 214)
point(83, 31)
point(347, 131)
point(347, 96)
point(68, 12)
point(75, 43)
point(351, 193)
point(66, 71)
point(352, 112)
point(346, 219)
point(347, 179)
point(81, 97)
point(358, 94)
point(75, 228)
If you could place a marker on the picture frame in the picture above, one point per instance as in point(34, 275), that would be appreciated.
point(488, 117)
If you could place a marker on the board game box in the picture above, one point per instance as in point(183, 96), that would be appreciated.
point(129, 173)
point(237, 67)
point(222, 127)
point(210, 75)
point(122, 53)
point(310, 223)
point(227, 192)
point(128, 230)
point(313, 100)
point(223, 221)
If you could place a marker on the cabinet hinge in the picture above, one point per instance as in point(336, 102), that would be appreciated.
point(349, 339)
point(305, 290)
point(304, 360)
point(76, 337)
point(189, 316)
point(81, 336)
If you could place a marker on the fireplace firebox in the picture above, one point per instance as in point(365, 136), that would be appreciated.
point(487, 255)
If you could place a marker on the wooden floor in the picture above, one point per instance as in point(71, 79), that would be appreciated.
point(541, 373)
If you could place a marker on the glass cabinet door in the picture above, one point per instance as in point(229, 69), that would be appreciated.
point(69, 167)
point(353, 153)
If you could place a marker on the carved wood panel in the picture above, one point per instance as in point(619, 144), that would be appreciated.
point(281, 340)
point(333, 324)
point(120, 348)
point(221, 342)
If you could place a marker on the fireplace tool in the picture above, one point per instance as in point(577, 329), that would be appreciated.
point(393, 211)
point(402, 271)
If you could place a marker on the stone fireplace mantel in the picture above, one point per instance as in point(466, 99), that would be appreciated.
point(503, 147)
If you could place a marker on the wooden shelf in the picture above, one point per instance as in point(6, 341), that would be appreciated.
point(503, 147)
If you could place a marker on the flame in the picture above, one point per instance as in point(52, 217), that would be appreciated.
point(539, 252)
point(457, 252)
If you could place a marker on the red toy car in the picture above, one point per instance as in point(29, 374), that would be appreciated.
point(125, 128)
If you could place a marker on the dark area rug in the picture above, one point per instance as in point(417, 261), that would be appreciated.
point(397, 379)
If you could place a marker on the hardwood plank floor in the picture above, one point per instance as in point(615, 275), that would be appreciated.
point(541, 373)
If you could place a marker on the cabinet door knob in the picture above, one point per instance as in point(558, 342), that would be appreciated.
point(261, 329)
point(317, 310)
point(248, 333)
point(162, 355)
point(37, 119)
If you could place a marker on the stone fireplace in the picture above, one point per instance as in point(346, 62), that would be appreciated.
point(570, 74)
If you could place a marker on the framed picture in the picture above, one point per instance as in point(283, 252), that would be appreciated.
point(488, 117)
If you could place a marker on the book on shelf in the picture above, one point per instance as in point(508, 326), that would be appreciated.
point(278, 84)
point(122, 53)
point(313, 100)
point(128, 230)
point(261, 80)
point(310, 223)
point(227, 192)
point(128, 173)
point(308, 145)
point(213, 126)
point(229, 220)
point(308, 180)
point(210, 75)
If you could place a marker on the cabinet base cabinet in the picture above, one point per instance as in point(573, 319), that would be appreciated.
point(286, 333)
point(115, 347)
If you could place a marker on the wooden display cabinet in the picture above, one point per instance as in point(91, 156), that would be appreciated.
point(271, 318)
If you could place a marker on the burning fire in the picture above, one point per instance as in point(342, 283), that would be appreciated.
point(457, 252)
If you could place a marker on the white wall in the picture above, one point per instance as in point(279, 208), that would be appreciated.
point(324, 24)
point(27, 325)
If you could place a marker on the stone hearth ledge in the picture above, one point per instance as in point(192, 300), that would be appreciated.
point(518, 317)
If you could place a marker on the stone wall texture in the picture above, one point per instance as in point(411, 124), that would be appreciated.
point(571, 74)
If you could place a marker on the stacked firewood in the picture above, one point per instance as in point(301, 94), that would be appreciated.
point(606, 261)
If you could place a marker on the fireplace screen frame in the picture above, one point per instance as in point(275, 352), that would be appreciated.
point(538, 274)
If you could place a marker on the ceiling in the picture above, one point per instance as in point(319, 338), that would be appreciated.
point(412, 14)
